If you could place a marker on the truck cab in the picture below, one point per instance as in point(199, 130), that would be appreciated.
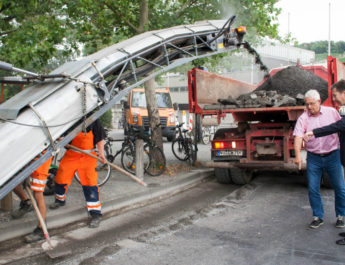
point(136, 114)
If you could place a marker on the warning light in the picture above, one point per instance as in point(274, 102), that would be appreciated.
point(241, 29)
point(219, 145)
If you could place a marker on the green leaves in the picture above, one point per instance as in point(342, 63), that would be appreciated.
point(36, 32)
point(30, 31)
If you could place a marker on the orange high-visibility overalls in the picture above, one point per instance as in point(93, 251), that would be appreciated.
point(38, 178)
point(86, 167)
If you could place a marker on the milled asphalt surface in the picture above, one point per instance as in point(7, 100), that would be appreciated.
point(119, 194)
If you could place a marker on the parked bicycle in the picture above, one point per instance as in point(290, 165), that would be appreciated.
point(154, 158)
point(183, 147)
point(127, 152)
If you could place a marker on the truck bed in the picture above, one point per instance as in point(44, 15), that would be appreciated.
point(205, 88)
point(255, 114)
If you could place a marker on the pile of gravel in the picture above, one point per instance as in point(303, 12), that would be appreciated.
point(286, 88)
point(294, 80)
point(259, 99)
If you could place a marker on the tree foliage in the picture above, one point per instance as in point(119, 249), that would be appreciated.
point(320, 47)
point(38, 35)
point(30, 31)
point(36, 32)
point(100, 23)
point(106, 119)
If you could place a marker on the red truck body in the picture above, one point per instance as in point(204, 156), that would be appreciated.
point(263, 137)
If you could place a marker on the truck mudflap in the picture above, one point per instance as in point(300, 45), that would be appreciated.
point(273, 166)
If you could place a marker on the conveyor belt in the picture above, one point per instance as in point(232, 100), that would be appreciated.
point(58, 101)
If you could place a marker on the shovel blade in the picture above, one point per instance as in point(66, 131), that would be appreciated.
point(54, 250)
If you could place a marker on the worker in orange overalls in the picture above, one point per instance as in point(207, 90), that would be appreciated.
point(86, 166)
point(38, 180)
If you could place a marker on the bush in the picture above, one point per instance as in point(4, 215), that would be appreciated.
point(106, 119)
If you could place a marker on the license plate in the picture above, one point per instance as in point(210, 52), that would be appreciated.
point(230, 153)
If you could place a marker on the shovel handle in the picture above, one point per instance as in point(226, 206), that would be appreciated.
point(39, 216)
point(110, 164)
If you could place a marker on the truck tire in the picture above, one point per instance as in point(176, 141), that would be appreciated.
point(223, 175)
point(241, 176)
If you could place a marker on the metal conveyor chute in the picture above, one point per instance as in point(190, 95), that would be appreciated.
point(36, 118)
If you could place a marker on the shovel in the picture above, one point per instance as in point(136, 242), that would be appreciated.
point(110, 164)
point(50, 245)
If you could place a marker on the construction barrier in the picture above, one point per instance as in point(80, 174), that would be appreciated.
point(190, 124)
point(184, 119)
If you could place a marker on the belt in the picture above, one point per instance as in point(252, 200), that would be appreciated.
point(324, 154)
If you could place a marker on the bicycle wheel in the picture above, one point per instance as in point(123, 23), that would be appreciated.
point(192, 153)
point(157, 162)
point(179, 149)
point(128, 159)
point(103, 173)
point(108, 151)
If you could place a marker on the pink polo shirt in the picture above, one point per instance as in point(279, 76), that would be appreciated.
point(307, 122)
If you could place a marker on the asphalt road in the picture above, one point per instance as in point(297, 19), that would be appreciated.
point(265, 222)
point(137, 226)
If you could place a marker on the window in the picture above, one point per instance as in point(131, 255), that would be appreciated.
point(173, 89)
point(139, 100)
point(163, 100)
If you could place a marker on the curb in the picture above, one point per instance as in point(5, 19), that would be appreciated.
point(110, 207)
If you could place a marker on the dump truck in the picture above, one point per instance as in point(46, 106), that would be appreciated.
point(262, 136)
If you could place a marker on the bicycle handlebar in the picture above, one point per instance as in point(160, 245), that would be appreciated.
point(179, 126)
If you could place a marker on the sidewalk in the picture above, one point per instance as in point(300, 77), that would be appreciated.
point(119, 194)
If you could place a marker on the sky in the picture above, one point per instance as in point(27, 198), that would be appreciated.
point(309, 19)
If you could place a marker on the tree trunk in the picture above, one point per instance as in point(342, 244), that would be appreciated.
point(156, 131)
point(150, 89)
point(144, 16)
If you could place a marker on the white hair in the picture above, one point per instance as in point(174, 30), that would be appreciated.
point(312, 93)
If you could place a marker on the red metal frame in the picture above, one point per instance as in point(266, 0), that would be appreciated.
point(2, 93)
point(332, 78)
point(280, 132)
point(245, 114)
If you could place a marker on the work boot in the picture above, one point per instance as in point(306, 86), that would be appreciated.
point(316, 223)
point(36, 235)
point(57, 204)
point(24, 207)
point(340, 222)
point(95, 220)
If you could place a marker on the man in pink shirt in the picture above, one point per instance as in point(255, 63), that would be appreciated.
point(323, 154)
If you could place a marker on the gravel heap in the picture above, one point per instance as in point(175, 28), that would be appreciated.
point(286, 88)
